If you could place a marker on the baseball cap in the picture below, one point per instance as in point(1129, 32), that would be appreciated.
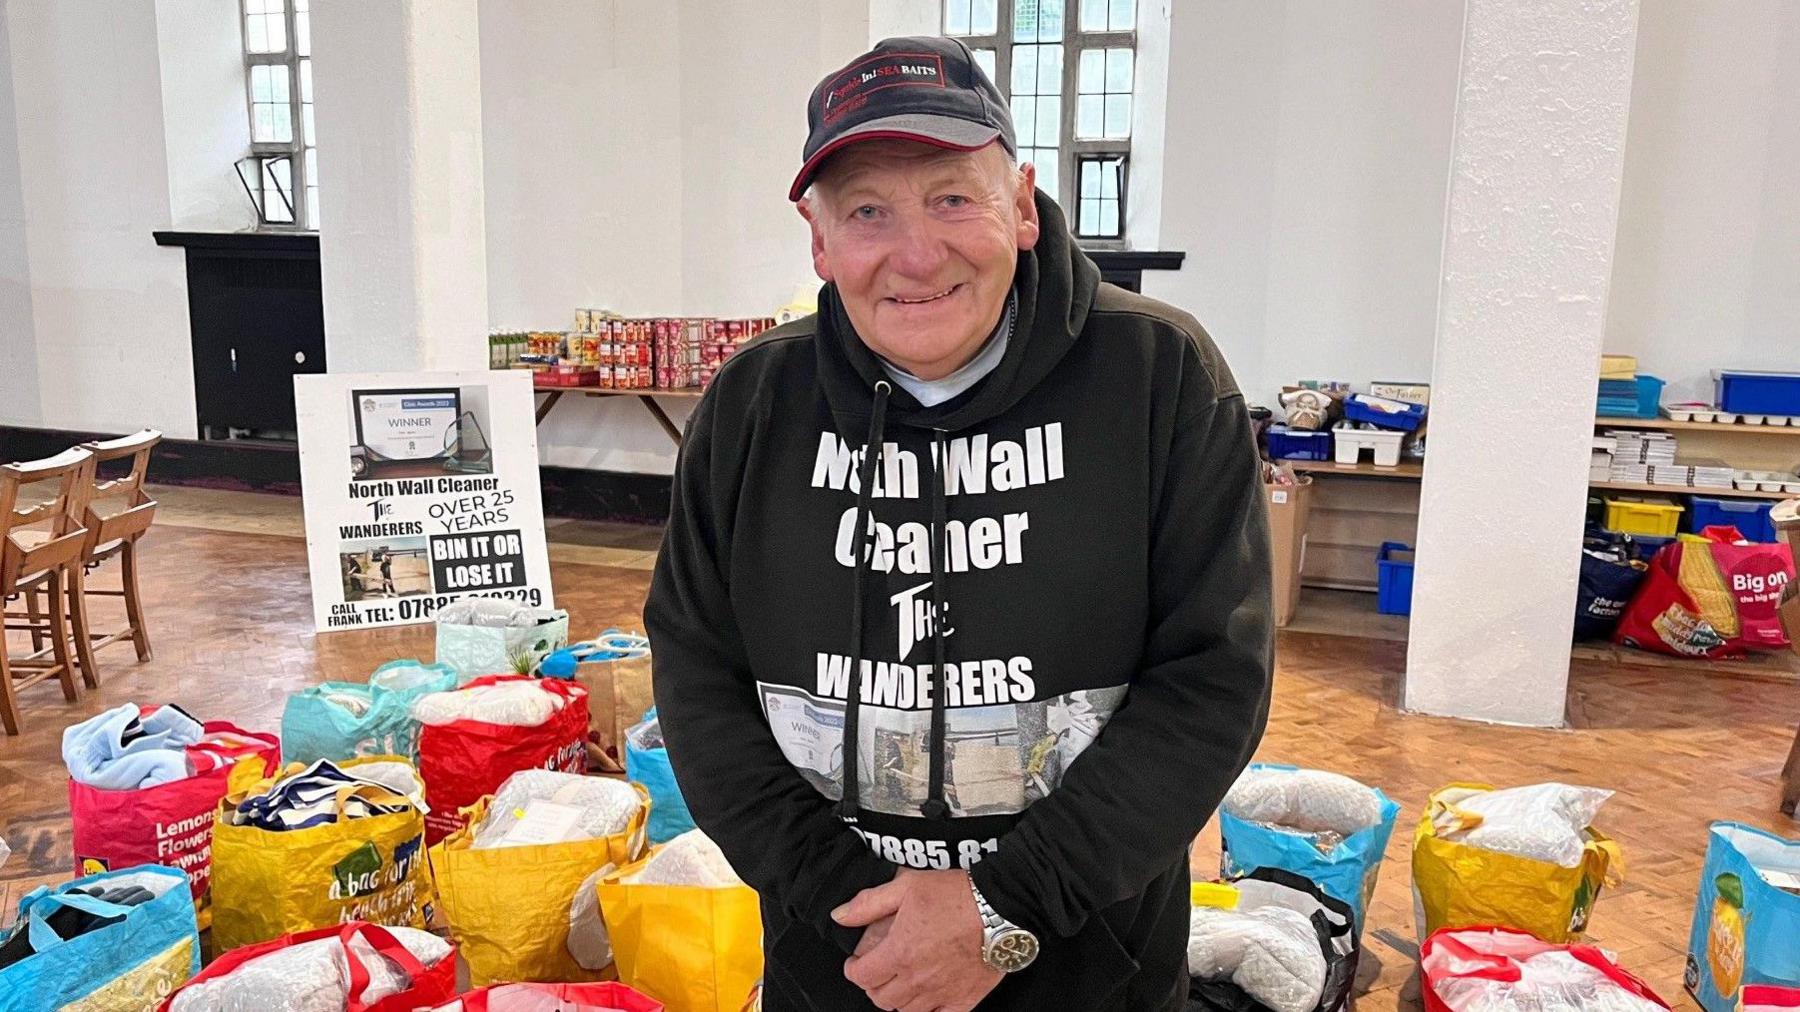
point(919, 88)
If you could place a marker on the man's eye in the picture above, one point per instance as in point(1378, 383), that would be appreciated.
point(867, 212)
point(956, 200)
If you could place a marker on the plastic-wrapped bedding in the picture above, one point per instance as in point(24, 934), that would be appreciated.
point(691, 859)
point(1544, 822)
point(1306, 801)
point(1272, 953)
point(311, 976)
point(513, 703)
point(605, 806)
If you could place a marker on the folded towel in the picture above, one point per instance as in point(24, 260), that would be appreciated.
point(125, 749)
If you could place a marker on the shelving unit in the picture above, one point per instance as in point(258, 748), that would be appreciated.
point(1718, 493)
point(1361, 469)
point(1669, 423)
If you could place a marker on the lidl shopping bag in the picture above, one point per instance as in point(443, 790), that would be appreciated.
point(351, 720)
point(269, 883)
point(1746, 920)
point(466, 759)
point(647, 763)
point(364, 979)
point(1347, 872)
point(482, 636)
point(169, 824)
point(1488, 969)
point(510, 908)
point(1710, 599)
point(695, 948)
point(125, 966)
point(609, 996)
point(1456, 885)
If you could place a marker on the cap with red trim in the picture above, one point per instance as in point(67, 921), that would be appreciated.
point(923, 89)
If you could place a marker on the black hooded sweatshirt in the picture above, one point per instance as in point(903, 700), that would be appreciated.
point(1103, 563)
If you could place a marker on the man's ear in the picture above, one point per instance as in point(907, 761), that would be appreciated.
point(1025, 203)
point(809, 209)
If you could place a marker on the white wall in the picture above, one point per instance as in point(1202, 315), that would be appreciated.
point(1707, 271)
point(108, 307)
point(20, 392)
point(208, 129)
point(1306, 160)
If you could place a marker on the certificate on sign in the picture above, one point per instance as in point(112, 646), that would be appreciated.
point(407, 424)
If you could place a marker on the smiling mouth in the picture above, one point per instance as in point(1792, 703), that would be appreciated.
point(927, 298)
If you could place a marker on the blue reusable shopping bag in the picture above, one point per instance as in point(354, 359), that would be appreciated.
point(1347, 873)
point(647, 763)
point(1745, 927)
point(153, 948)
point(350, 720)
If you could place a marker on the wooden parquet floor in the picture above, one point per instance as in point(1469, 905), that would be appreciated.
point(229, 616)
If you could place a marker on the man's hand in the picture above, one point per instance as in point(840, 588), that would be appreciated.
point(926, 953)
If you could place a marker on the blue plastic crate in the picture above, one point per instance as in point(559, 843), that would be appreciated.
point(1750, 518)
point(1359, 408)
point(1758, 393)
point(1298, 444)
point(1393, 579)
point(1640, 398)
point(1646, 546)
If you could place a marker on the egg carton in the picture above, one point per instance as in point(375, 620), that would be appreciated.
point(1766, 481)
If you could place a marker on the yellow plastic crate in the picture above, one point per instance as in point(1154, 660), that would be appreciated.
point(1656, 518)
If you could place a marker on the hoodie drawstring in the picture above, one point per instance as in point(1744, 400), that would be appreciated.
point(934, 806)
point(849, 806)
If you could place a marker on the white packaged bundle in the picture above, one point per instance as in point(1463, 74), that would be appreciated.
point(691, 859)
point(1271, 952)
point(566, 805)
point(1544, 822)
point(1304, 801)
point(517, 704)
point(310, 977)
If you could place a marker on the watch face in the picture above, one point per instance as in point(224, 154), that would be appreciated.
point(1011, 950)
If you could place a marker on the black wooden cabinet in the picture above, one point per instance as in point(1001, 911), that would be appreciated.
point(256, 320)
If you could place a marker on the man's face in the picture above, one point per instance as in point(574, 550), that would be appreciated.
point(922, 243)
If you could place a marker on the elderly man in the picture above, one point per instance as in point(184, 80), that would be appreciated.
point(962, 619)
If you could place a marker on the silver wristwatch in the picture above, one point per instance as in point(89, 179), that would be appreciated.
point(1004, 945)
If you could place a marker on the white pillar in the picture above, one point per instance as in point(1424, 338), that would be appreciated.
point(1528, 242)
point(402, 238)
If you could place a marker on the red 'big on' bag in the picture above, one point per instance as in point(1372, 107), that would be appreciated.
point(465, 759)
point(1717, 605)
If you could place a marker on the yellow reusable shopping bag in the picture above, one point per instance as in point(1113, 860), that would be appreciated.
point(508, 907)
point(269, 883)
point(1457, 886)
point(694, 948)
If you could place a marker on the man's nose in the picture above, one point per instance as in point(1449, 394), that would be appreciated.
point(920, 252)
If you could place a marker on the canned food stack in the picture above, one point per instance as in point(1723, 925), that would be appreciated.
point(723, 339)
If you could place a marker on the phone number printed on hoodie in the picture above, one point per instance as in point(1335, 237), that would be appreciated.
point(935, 854)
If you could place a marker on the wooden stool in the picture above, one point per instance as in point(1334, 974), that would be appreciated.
point(1787, 527)
point(39, 547)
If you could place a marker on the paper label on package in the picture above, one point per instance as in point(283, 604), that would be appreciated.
point(543, 822)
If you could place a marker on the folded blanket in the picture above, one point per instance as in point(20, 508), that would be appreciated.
point(124, 749)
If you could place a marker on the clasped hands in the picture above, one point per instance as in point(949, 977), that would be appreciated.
point(921, 944)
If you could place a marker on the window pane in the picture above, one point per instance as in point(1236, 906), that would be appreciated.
point(956, 17)
point(1025, 18)
point(1118, 71)
point(1024, 70)
point(1118, 116)
point(1090, 117)
point(1092, 79)
point(253, 6)
point(260, 88)
point(306, 120)
point(255, 39)
point(283, 122)
point(1045, 160)
point(312, 166)
point(1123, 15)
point(302, 27)
point(1024, 114)
point(985, 17)
point(1050, 20)
point(276, 27)
point(1090, 179)
point(1109, 218)
point(1049, 119)
point(312, 207)
point(984, 58)
point(306, 80)
point(262, 120)
point(1109, 178)
point(278, 84)
point(1093, 15)
point(1090, 214)
point(1050, 71)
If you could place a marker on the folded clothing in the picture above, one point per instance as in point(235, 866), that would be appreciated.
point(1272, 953)
point(68, 922)
point(1544, 822)
point(515, 703)
point(691, 859)
point(321, 794)
point(310, 977)
point(546, 806)
point(1304, 801)
point(126, 748)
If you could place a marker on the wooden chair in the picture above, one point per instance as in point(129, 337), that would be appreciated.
point(40, 545)
point(1787, 527)
point(119, 511)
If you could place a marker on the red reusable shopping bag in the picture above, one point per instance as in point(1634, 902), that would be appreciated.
point(465, 759)
point(606, 996)
point(431, 985)
point(1499, 955)
point(1717, 605)
point(169, 824)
